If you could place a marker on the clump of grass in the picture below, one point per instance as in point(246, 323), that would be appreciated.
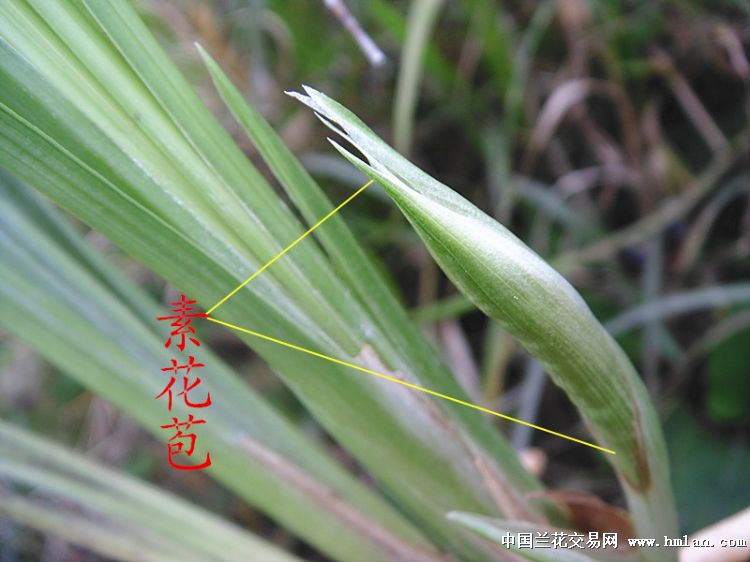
point(95, 116)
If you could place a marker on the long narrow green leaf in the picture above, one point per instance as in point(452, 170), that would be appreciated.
point(186, 267)
point(336, 238)
point(338, 241)
point(105, 540)
point(151, 523)
point(513, 285)
point(90, 117)
point(59, 304)
point(422, 17)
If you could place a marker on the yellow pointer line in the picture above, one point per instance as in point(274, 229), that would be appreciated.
point(289, 247)
point(404, 383)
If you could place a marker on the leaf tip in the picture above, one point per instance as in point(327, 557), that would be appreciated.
point(208, 61)
point(453, 515)
point(299, 97)
point(202, 51)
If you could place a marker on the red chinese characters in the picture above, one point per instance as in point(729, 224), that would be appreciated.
point(181, 323)
point(182, 443)
point(176, 443)
point(187, 386)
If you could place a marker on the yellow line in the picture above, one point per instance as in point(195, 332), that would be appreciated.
point(413, 386)
point(289, 247)
point(357, 367)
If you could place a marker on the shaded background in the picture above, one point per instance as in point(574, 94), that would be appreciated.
point(571, 122)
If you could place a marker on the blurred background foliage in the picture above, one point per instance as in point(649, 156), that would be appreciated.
point(611, 137)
